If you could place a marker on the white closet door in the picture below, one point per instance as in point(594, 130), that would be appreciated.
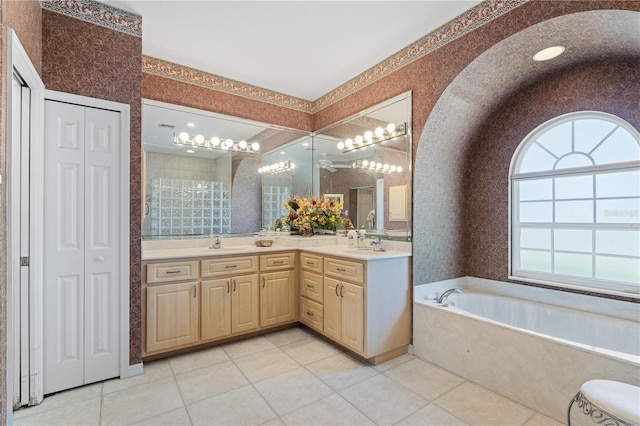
point(101, 297)
point(63, 247)
point(81, 242)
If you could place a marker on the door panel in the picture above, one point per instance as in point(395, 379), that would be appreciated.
point(332, 308)
point(277, 298)
point(101, 234)
point(216, 308)
point(63, 247)
point(244, 303)
point(353, 316)
point(172, 315)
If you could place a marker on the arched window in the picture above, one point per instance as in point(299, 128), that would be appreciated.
point(575, 204)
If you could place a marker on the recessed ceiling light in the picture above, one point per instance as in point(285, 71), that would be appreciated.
point(548, 53)
point(305, 144)
point(190, 151)
point(283, 152)
point(191, 124)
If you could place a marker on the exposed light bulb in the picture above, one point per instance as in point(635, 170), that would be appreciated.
point(340, 145)
point(368, 135)
point(358, 140)
point(199, 139)
point(392, 169)
point(183, 136)
point(242, 144)
point(391, 127)
point(379, 132)
point(281, 164)
point(365, 163)
point(215, 141)
point(228, 143)
point(348, 143)
point(292, 166)
point(255, 146)
point(385, 167)
point(399, 169)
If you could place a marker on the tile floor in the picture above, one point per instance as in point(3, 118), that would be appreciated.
point(287, 377)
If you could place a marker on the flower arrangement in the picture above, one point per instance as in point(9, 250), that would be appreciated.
point(320, 213)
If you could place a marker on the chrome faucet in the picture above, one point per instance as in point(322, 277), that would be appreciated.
point(376, 244)
point(443, 297)
point(217, 244)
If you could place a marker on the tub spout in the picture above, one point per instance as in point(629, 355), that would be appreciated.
point(443, 297)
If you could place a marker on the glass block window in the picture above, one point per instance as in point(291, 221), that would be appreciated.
point(272, 198)
point(189, 207)
point(575, 212)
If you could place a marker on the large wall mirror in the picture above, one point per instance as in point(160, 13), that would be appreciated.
point(366, 160)
point(208, 173)
point(201, 172)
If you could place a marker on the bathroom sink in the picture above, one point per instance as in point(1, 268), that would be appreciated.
point(365, 252)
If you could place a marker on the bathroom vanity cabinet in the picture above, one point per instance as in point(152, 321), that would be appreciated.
point(363, 305)
point(195, 301)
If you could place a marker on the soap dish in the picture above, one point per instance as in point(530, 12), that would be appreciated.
point(264, 243)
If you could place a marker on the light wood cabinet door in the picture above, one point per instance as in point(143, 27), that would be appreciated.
point(277, 298)
point(332, 308)
point(215, 304)
point(244, 303)
point(352, 297)
point(172, 315)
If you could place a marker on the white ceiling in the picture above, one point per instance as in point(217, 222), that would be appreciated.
point(300, 48)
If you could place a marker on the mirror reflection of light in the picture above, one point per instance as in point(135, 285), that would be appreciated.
point(255, 146)
point(242, 144)
point(183, 136)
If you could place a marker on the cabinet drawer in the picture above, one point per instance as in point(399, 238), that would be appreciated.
point(311, 314)
point(229, 266)
point(311, 286)
point(172, 271)
point(311, 262)
point(271, 262)
point(344, 269)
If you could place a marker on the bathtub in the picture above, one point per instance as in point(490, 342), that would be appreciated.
point(532, 345)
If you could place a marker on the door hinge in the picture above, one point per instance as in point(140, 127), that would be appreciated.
point(24, 261)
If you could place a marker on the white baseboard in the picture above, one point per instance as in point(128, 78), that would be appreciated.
point(132, 370)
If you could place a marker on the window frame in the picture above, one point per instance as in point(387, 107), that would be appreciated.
point(552, 278)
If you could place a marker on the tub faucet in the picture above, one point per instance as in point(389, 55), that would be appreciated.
point(443, 297)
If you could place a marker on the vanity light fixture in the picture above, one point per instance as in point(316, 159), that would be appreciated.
point(281, 166)
point(377, 166)
point(548, 53)
point(369, 138)
point(184, 138)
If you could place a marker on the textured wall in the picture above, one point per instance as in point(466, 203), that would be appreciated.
point(246, 200)
point(90, 60)
point(609, 86)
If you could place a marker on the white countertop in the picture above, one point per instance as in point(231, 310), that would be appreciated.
point(325, 245)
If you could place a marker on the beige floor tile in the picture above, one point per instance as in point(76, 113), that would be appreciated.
point(248, 347)
point(243, 406)
point(290, 335)
point(177, 417)
point(85, 412)
point(153, 371)
point(198, 359)
point(273, 422)
point(431, 415)
point(265, 364)
point(210, 381)
point(341, 371)
point(332, 410)
point(394, 362)
point(291, 390)
point(540, 420)
point(423, 378)
point(477, 405)
point(310, 350)
point(383, 400)
point(140, 402)
point(61, 399)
